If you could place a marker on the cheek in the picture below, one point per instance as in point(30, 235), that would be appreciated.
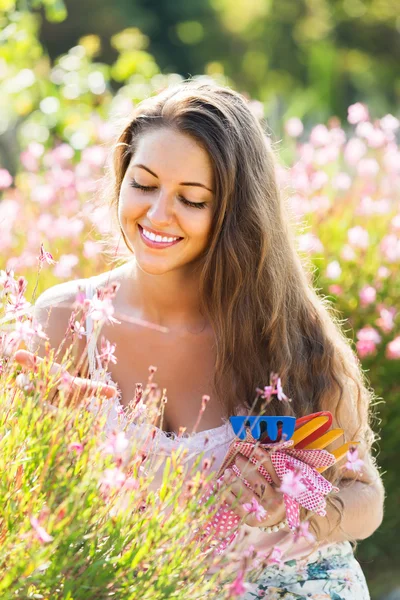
point(197, 227)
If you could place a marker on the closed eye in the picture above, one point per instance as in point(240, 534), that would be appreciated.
point(145, 189)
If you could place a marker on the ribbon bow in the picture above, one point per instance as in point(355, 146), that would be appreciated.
point(284, 459)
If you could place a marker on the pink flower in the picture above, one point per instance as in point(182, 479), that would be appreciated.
point(393, 349)
point(76, 446)
point(256, 508)
point(294, 127)
point(41, 533)
point(358, 237)
point(65, 265)
point(5, 179)
point(116, 444)
point(319, 135)
point(292, 483)
point(7, 282)
point(357, 112)
point(275, 558)
point(367, 295)
point(354, 151)
point(302, 531)
point(91, 249)
point(335, 289)
point(281, 395)
point(386, 319)
point(390, 247)
point(112, 479)
point(238, 587)
point(353, 462)
point(102, 310)
point(17, 305)
point(78, 329)
point(368, 167)
point(45, 256)
point(368, 337)
point(333, 270)
point(107, 351)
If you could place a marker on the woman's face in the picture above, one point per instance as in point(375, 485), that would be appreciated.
point(166, 201)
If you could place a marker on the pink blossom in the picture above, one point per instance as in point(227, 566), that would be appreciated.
point(26, 332)
point(45, 256)
point(65, 265)
point(347, 253)
point(395, 222)
point(319, 135)
point(17, 305)
point(358, 237)
point(367, 295)
point(5, 179)
point(318, 180)
point(341, 181)
point(7, 282)
point(44, 195)
point(275, 558)
point(102, 310)
point(393, 349)
point(112, 479)
point(116, 444)
point(368, 167)
point(292, 483)
point(107, 351)
point(95, 156)
point(354, 151)
point(294, 127)
point(390, 247)
point(333, 270)
point(78, 329)
point(281, 395)
point(335, 289)
point(376, 138)
point(43, 536)
point(386, 319)
point(357, 112)
point(75, 446)
point(353, 462)
point(383, 272)
point(389, 123)
point(239, 586)
point(91, 249)
point(256, 508)
point(368, 337)
point(310, 243)
point(302, 531)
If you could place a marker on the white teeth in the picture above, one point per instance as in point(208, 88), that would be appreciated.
point(157, 238)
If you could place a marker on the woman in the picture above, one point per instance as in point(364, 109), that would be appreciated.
point(212, 262)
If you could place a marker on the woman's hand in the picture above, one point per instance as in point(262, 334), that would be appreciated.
point(75, 388)
point(265, 493)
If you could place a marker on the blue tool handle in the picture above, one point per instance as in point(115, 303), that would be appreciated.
point(261, 426)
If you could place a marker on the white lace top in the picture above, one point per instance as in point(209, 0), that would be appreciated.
point(215, 441)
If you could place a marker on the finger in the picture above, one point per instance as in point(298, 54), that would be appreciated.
point(30, 360)
point(267, 495)
point(263, 456)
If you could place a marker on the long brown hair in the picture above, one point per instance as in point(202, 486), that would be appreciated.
point(256, 289)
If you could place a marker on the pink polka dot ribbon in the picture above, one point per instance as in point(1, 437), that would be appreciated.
point(223, 529)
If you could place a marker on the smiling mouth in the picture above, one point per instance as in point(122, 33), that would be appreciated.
point(153, 240)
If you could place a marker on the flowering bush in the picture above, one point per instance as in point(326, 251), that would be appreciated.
point(342, 182)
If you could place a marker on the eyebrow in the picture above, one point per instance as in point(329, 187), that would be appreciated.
point(182, 182)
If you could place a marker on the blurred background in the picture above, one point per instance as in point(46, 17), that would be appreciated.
point(324, 78)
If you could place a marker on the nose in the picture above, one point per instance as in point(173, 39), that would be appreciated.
point(160, 211)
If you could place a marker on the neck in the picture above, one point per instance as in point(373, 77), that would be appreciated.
point(170, 299)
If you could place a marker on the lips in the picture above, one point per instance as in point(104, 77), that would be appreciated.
point(153, 243)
